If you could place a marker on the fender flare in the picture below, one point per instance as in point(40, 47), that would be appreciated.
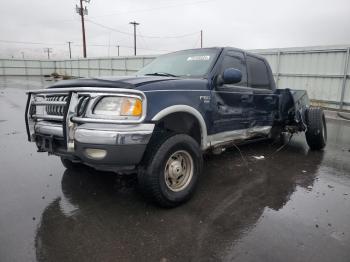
point(190, 110)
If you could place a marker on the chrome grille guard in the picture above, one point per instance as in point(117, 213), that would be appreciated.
point(60, 105)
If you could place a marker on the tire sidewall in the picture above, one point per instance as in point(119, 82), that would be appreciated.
point(316, 135)
point(324, 128)
point(160, 159)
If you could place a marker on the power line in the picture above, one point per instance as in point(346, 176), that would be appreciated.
point(88, 44)
point(155, 8)
point(109, 28)
point(145, 36)
point(130, 47)
point(134, 11)
point(171, 37)
point(142, 39)
point(29, 43)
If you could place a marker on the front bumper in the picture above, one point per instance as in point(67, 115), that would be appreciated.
point(98, 145)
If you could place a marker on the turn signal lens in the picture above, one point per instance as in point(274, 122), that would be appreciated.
point(137, 108)
point(131, 107)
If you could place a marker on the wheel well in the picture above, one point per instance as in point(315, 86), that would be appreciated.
point(181, 122)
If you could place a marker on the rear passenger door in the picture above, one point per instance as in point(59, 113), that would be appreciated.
point(265, 101)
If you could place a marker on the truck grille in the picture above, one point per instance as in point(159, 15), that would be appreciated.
point(56, 110)
point(82, 105)
point(52, 107)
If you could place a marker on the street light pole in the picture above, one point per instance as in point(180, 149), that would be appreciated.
point(118, 49)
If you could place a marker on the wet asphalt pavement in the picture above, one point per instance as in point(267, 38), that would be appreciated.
point(290, 206)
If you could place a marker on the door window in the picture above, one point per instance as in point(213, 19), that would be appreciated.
point(235, 60)
point(258, 73)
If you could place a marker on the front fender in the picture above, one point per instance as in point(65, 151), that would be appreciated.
point(190, 110)
point(161, 103)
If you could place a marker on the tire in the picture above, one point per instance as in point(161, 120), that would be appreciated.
point(316, 134)
point(68, 164)
point(171, 169)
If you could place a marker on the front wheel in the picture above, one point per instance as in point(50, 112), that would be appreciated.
point(172, 169)
point(316, 134)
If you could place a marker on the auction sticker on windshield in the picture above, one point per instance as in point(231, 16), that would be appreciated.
point(198, 58)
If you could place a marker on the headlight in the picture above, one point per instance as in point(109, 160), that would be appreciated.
point(118, 106)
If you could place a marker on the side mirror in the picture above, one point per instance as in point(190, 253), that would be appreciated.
point(231, 76)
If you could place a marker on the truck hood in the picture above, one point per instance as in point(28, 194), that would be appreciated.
point(130, 82)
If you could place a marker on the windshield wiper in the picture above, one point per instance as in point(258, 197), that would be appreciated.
point(160, 74)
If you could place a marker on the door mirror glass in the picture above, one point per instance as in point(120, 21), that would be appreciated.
point(231, 76)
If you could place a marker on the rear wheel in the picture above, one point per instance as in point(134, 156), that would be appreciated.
point(316, 134)
point(171, 171)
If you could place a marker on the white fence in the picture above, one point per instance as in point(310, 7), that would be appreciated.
point(17, 67)
point(117, 66)
point(322, 71)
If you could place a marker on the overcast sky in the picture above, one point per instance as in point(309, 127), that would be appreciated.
point(248, 24)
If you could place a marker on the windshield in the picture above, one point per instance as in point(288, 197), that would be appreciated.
point(188, 63)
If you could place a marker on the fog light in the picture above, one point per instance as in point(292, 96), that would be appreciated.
point(95, 153)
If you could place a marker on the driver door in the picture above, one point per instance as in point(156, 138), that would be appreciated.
point(232, 103)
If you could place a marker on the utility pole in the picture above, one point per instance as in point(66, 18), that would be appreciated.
point(118, 49)
point(134, 24)
point(70, 50)
point(82, 12)
point(48, 50)
point(201, 38)
point(109, 45)
point(22, 55)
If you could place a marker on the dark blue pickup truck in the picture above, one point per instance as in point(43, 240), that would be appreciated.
point(159, 123)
